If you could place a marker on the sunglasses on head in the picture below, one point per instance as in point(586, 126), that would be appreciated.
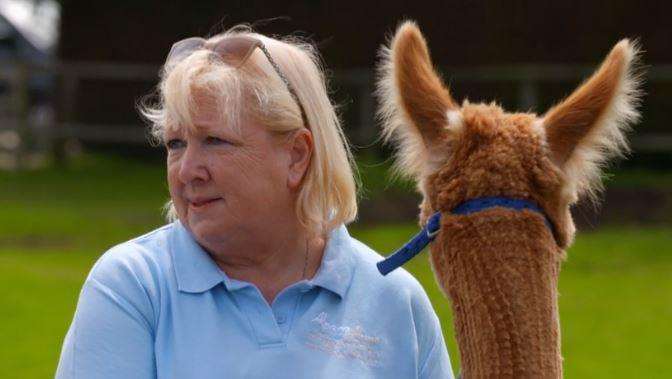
point(234, 51)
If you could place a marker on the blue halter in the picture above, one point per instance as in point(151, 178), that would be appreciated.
point(429, 232)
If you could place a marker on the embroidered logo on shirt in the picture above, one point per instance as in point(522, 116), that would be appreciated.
point(343, 341)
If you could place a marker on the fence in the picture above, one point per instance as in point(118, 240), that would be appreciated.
point(29, 132)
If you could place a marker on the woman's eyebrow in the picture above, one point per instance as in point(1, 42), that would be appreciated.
point(168, 135)
point(217, 130)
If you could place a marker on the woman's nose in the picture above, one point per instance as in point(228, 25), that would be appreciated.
point(193, 165)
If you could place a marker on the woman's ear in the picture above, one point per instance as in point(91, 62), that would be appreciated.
point(300, 144)
point(588, 127)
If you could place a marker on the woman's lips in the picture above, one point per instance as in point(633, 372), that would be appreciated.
point(201, 204)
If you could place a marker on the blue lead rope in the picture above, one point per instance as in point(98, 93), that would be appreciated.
point(412, 247)
point(427, 234)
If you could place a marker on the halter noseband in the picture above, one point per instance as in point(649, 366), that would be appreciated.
point(429, 232)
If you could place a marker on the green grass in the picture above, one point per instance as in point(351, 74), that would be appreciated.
point(616, 286)
point(637, 178)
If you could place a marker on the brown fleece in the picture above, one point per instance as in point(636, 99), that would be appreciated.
point(502, 280)
point(500, 267)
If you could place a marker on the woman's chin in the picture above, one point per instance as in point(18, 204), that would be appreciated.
point(204, 228)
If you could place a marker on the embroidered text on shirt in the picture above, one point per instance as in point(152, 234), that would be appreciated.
point(343, 341)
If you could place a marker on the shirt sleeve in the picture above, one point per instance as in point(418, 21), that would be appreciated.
point(111, 335)
point(434, 359)
point(437, 363)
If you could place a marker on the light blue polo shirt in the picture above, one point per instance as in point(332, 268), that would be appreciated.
point(159, 307)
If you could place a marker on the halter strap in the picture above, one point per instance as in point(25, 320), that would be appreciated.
point(429, 232)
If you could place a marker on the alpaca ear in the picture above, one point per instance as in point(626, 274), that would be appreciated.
point(587, 128)
point(414, 102)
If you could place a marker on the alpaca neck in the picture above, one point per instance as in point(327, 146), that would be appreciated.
point(500, 269)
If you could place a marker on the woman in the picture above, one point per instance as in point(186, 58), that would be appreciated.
point(256, 275)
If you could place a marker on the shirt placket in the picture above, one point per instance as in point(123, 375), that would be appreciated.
point(286, 304)
point(261, 317)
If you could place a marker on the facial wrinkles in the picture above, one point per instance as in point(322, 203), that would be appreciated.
point(240, 161)
point(247, 158)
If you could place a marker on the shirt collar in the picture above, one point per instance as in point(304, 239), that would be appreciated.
point(338, 264)
point(194, 268)
point(196, 271)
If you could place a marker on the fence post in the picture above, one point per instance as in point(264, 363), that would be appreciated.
point(68, 107)
point(20, 99)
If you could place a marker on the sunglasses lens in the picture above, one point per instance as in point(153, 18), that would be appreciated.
point(182, 49)
point(235, 50)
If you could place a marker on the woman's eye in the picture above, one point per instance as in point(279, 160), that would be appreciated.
point(174, 144)
point(211, 140)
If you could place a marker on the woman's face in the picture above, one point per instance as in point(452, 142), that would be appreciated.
point(228, 188)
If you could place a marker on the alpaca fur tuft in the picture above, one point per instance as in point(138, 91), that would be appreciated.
point(588, 128)
point(413, 102)
point(455, 120)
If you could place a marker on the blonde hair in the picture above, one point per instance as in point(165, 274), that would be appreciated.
point(328, 196)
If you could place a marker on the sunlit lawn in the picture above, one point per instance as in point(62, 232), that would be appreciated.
point(616, 287)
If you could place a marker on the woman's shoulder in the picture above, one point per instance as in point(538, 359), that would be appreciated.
point(137, 265)
point(399, 293)
point(399, 284)
point(149, 248)
point(124, 288)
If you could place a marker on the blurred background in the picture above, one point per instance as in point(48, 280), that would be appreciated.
point(78, 176)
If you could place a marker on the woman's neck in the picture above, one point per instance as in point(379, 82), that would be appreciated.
point(276, 263)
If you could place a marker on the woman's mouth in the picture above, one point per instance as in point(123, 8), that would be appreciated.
point(198, 204)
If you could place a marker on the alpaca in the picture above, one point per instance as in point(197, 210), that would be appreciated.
point(499, 266)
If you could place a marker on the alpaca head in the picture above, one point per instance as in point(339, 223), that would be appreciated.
point(458, 152)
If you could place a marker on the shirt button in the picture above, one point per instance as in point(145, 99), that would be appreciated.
point(280, 318)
